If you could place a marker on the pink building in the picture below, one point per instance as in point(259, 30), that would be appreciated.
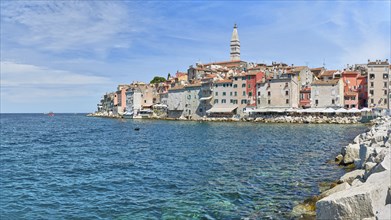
point(305, 98)
point(354, 89)
point(251, 87)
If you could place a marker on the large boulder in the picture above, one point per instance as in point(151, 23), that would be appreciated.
point(364, 153)
point(349, 177)
point(335, 189)
point(350, 153)
point(358, 202)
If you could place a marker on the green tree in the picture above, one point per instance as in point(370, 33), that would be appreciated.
point(157, 79)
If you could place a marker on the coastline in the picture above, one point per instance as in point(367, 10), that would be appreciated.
point(365, 191)
point(305, 119)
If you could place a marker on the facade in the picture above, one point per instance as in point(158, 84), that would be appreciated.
point(206, 99)
point(305, 98)
point(378, 84)
point(251, 87)
point(281, 92)
point(133, 100)
point(354, 89)
point(327, 93)
point(192, 101)
point(176, 102)
point(225, 102)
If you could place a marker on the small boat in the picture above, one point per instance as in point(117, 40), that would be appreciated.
point(51, 114)
point(128, 115)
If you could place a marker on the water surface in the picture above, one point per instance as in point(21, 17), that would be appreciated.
point(76, 167)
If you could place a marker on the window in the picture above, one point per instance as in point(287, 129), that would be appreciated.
point(385, 92)
point(385, 84)
point(249, 86)
point(250, 94)
point(244, 93)
point(372, 76)
point(259, 93)
point(372, 101)
point(243, 78)
point(316, 102)
point(248, 77)
point(371, 92)
point(224, 85)
point(230, 85)
point(371, 84)
point(216, 93)
point(287, 101)
point(353, 98)
point(200, 109)
point(259, 102)
point(268, 102)
point(223, 101)
point(243, 85)
point(286, 93)
point(332, 101)
point(216, 85)
point(301, 96)
point(236, 78)
point(244, 101)
point(236, 93)
point(385, 101)
point(230, 93)
point(235, 101)
point(224, 93)
point(385, 75)
point(235, 85)
point(269, 93)
point(216, 101)
point(145, 101)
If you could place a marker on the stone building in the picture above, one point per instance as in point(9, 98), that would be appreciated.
point(327, 93)
point(378, 83)
point(225, 102)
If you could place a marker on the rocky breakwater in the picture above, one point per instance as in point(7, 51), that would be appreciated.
point(365, 192)
point(309, 119)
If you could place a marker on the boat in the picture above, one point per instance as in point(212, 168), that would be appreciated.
point(128, 115)
point(51, 114)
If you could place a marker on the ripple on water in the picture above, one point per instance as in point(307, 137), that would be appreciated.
point(72, 167)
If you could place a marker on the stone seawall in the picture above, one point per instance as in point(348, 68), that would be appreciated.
point(365, 192)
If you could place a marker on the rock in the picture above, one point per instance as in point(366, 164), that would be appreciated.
point(364, 152)
point(338, 158)
point(337, 188)
point(360, 202)
point(349, 177)
point(350, 153)
point(384, 212)
point(368, 166)
point(357, 182)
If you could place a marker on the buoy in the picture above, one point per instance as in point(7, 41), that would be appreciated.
point(136, 129)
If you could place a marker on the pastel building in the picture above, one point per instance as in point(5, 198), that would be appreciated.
point(206, 95)
point(133, 100)
point(280, 92)
point(225, 102)
point(354, 89)
point(327, 93)
point(251, 87)
point(378, 84)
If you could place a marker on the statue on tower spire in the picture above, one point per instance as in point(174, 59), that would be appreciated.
point(235, 45)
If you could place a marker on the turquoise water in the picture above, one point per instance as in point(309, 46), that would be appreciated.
point(76, 167)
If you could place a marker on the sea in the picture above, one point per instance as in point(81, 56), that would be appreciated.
point(70, 166)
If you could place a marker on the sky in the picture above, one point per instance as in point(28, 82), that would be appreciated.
point(63, 56)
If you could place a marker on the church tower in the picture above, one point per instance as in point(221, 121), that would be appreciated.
point(235, 45)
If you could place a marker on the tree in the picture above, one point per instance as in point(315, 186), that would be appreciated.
point(157, 79)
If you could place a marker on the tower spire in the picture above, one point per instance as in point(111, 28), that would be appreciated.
point(235, 44)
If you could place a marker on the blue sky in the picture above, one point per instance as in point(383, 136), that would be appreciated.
point(62, 56)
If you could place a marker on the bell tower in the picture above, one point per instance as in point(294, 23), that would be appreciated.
point(235, 45)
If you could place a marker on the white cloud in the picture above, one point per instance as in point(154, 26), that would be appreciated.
point(70, 25)
point(26, 75)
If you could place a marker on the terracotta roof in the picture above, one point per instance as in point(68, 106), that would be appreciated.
point(223, 62)
point(329, 72)
point(307, 89)
point(193, 85)
point(350, 73)
point(379, 63)
point(176, 88)
point(223, 81)
point(325, 82)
